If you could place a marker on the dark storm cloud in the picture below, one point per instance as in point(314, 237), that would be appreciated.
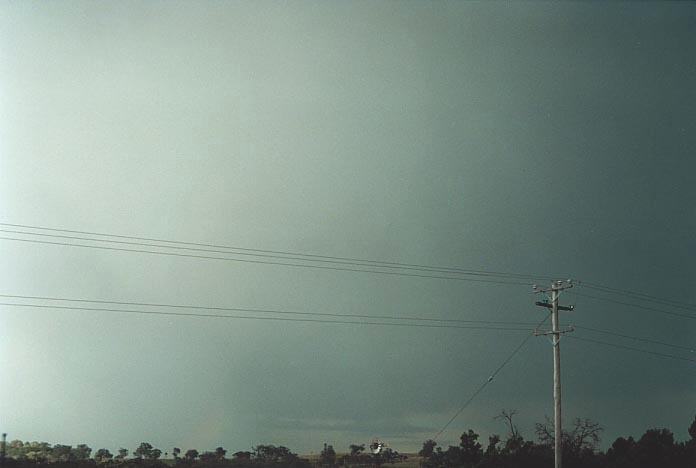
point(533, 137)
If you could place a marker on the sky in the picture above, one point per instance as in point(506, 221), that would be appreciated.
point(549, 139)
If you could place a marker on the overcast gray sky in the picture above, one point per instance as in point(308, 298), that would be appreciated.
point(544, 138)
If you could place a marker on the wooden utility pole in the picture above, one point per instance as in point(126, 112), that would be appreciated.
point(556, 288)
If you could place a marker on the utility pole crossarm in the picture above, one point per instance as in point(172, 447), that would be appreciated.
point(548, 305)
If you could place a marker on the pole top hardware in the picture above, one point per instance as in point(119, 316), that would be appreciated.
point(557, 285)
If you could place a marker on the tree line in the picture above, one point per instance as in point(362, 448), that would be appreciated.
point(656, 448)
point(19, 453)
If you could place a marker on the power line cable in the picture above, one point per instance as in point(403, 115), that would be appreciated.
point(299, 254)
point(262, 311)
point(250, 317)
point(324, 314)
point(639, 295)
point(637, 306)
point(340, 262)
point(489, 380)
point(636, 338)
point(630, 348)
point(263, 262)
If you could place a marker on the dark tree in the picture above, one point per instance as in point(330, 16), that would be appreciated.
point(622, 454)
point(507, 415)
point(191, 455)
point(144, 450)
point(583, 436)
point(270, 454)
point(103, 455)
point(122, 454)
point(328, 456)
point(81, 452)
point(492, 449)
point(242, 455)
point(471, 452)
point(428, 448)
point(356, 450)
point(63, 453)
point(656, 448)
point(208, 457)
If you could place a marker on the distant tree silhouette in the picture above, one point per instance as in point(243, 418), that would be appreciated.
point(327, 456)
point(506, 416)
point(356, 450)
point(470, 449)
point(191, 455)
point(428, 448)
point(122, 454)
point(144, 450)
point(242, 455)
point(103, 455)
point(655, 448)
point(272, 455)
point(208, 457)
point(579, 443)
point(622, 453)
point(492, 449)
point(62, 453)
point(81, 452)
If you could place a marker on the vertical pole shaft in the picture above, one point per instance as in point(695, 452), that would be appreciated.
point(556, 378)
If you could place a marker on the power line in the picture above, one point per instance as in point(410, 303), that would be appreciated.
point(380, 263)
point(655, 353)
point(263, 262)
point(489, 380)
point(321, 314)
point(636, 338)
point(639, 295)
point(249, 317)
point(340, 262)
point(262, 311)
point(637, 306)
